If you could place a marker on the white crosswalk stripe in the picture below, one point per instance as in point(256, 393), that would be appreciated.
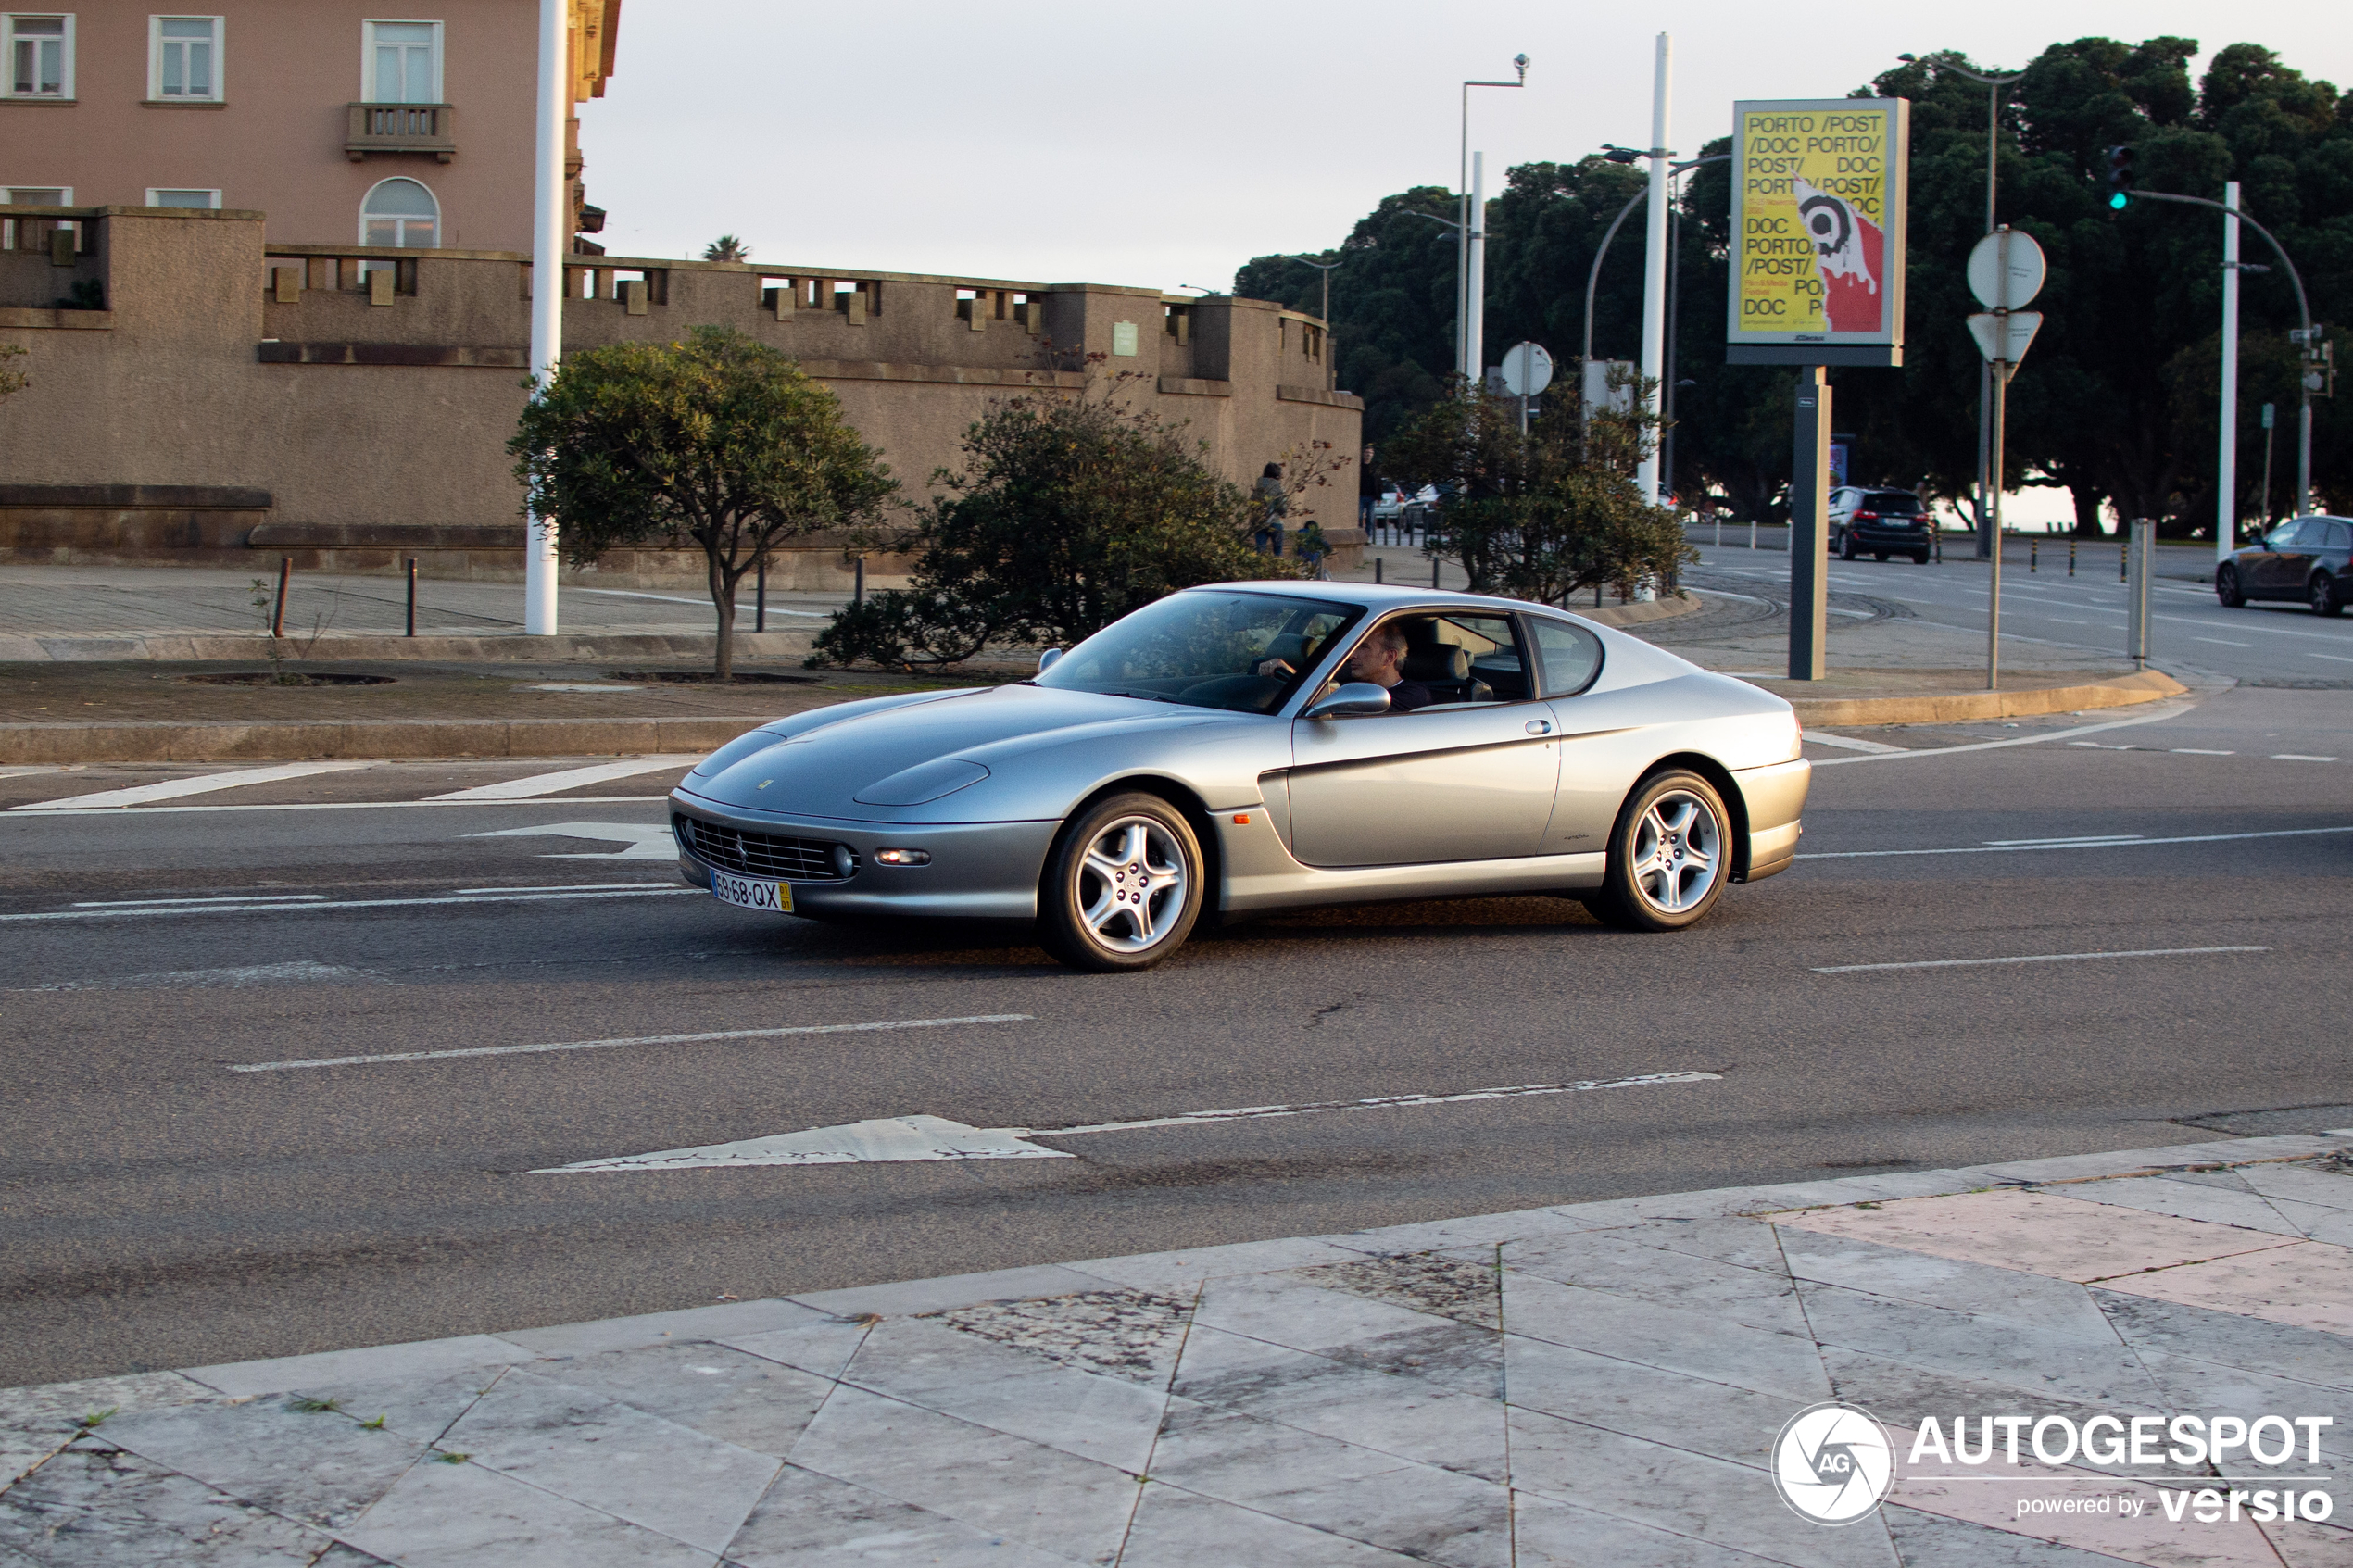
point(570, 778)
point(172, 789)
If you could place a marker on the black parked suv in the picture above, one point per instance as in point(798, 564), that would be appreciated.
point(2309, 558)
point(1878, 523)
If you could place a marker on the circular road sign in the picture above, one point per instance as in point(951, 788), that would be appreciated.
point(2005, 286)
point(1528, 370)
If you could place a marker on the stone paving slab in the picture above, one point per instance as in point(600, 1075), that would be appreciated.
point(1590, 1384)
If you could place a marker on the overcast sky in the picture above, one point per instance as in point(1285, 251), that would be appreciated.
point(1163, 145)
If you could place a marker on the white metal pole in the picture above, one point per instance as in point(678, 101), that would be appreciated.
point(551, 238)
point(2226, 475)
point(1655, 267)
point(1475, 318)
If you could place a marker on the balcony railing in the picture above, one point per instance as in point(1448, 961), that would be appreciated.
point(400, 128)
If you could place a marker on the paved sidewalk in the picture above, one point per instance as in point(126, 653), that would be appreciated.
point(1594, 1384)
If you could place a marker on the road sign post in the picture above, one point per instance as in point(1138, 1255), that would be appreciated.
point(2006, 272)
point(1818, 281)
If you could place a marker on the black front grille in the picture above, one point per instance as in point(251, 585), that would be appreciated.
point(762, 854)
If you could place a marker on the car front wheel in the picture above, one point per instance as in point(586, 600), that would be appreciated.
point(1668, 856)
point(1122, 886)
point(2327, 598)
point(2226, 587)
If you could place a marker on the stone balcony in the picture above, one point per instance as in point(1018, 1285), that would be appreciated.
point(400, 128)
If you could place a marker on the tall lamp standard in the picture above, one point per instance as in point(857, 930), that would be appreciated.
point(1993, 86)
point(1464, 352)
point(1325, 268)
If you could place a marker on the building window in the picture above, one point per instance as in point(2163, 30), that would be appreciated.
point(205, 201)
point(40, 56)
point(402, 213)
point(31, 196)
point(183, 59)
point(403, 64)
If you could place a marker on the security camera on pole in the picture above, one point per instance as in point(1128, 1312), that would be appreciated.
point(2005, 272)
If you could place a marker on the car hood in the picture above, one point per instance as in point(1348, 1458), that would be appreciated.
point(870, 767)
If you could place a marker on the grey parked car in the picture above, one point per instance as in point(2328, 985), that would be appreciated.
point(2306, 558)
point(1210, 756)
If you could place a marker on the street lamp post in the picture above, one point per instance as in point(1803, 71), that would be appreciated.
point(1993, 86)
point(1325, 268)
point(1593, 273)
point(1464, 351)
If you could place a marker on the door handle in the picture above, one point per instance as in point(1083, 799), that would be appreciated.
point(1539, 727)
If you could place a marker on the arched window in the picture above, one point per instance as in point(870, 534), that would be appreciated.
point(400, 212)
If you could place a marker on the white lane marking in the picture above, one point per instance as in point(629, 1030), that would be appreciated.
point(1864, 614)
point(880, 1141)
point(2298, 757)
point(229, 898)
point(172, 789)
point(1850, 743)
point(2332, 658)
point(570, 778)
point(2064, 844)
point(645, 841)
point(899, 1138)
point(2224, 641)
point(300, 970)
point(565, 887)
point(646, 892)
point(2169, 709)
point(563, 686)
point(32, 768)
point(2072, 838)
point(703, 604)
point(352, 805)
point(634, 1040)
point(2200, 751)
point(2035, 958)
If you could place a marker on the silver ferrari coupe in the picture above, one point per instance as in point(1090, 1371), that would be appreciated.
point(1230, 750)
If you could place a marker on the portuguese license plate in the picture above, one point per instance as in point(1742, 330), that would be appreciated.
point(749, 893)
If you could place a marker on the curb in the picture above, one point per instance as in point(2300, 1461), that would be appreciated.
point(2121, 691)
point(370, 738)
point(196, 647)
point(1665, 607)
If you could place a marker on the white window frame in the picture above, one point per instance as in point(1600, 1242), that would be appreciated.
point(8, 229)
point(440, 216)
point(369, 92)
point(155, 41)
point(156, 192)
point(8, 58)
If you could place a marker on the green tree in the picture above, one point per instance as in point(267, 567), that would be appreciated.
point(726, 247)
point(718, 441)
point(1072, 509)
point(1540, 516)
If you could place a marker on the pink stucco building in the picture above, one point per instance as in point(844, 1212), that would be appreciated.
point(346, 123)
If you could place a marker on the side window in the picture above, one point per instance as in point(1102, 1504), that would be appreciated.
point(403, 62)
point(2340, 536)
point(1465, 658)
point(2290, 536)
point(183, 59)
point(1571, 656)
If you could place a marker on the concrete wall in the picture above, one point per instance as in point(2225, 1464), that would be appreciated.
point(358, 410)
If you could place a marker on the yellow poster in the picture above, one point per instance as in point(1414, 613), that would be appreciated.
point(1818, 222)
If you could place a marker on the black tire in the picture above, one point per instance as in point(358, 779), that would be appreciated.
point(1879, 555)
point(2328, 598)
point(2226, 586)
point(1139, 926)
point(1845, 545)
point(1919, 557)
point(1629, 896)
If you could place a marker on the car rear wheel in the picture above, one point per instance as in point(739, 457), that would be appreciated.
point(2327, 599)
point(1845, 545)
point(1669, 855)
point(1122, 886)
point(1879, 555)
point(2226, 587)
point(1919, 557)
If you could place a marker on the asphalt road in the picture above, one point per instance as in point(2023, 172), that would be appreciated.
point(160, 1208)
point(2267, 642)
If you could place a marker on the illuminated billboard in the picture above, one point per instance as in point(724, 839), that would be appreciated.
point(1817, 232)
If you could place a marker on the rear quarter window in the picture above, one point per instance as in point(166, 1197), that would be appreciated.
point(1570, 654)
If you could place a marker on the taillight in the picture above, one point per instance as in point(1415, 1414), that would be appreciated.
point(1866, 517)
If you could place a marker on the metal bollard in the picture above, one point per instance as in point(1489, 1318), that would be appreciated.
point(760, 598)
point(1377, 563)
point(1751, 533)
point(2033, 552)
point(2122, 571)
point(413, 595)
point(858, 588)
point(1434, 564)
point(1938, 545)
point(2070, 555)
point(278, 615)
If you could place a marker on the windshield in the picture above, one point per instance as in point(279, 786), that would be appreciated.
point(1890, 503)
point(1207, 649)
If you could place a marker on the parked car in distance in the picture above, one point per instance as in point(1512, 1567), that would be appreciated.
point(1878, 523)
point(1389, 503)
point(1221, 753)
point(2307, 558)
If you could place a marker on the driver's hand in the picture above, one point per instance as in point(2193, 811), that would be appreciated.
point(1273, 666)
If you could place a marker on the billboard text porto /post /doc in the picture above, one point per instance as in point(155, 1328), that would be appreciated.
point(1818, 222)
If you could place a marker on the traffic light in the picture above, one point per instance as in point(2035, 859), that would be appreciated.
point(2120, 177)
point(2320, 360)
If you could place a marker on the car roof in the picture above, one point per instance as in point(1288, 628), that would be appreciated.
point(1382, 596)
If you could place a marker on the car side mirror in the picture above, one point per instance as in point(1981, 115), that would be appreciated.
point(1357, 700)
point(1046, 660)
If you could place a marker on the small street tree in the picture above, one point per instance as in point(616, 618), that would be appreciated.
point(726, 247)
point(1540, 516)
point(1072, 509)
point(718, 441)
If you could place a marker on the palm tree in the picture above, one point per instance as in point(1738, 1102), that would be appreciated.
point(726, 247)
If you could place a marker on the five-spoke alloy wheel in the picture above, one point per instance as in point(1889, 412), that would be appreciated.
point(2327, 598)
point(1122, 886)
point(1669, 855)
point(2226, 586)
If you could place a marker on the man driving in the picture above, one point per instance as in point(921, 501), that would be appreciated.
point(1375, 660)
